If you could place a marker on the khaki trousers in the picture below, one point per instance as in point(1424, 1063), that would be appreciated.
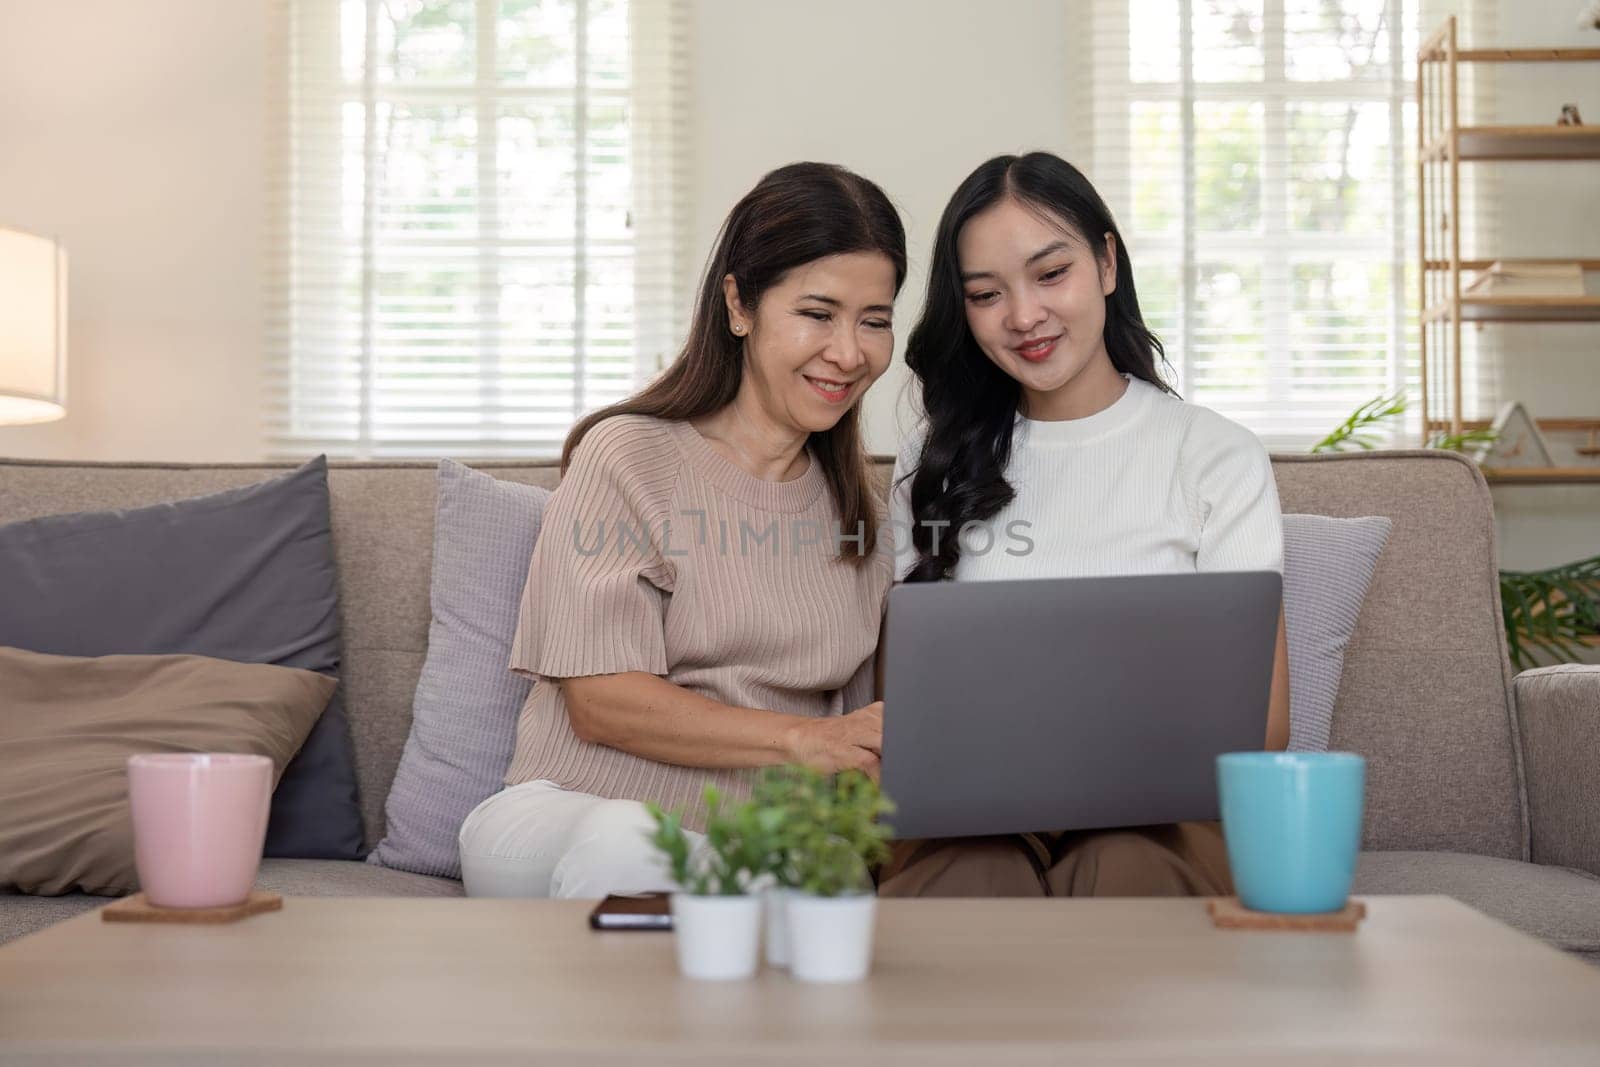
point(1175, 860)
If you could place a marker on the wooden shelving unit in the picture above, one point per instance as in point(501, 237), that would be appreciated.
point(1521, 309)
point(1443, 145)
point(1519, 143)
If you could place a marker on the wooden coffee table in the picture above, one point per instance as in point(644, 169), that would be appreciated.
point(982, 982)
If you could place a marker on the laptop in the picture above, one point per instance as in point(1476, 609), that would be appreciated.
point(1072, 703)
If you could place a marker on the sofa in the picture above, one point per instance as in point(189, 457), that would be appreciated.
point(1481, 786)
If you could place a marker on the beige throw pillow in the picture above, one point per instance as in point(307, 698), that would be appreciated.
point(68, 725)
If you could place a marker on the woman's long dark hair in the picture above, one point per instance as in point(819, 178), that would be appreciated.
point(794, 215)
point(970, 404)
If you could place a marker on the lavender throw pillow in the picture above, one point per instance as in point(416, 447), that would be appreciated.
point(464, 714)
point(1327, 566)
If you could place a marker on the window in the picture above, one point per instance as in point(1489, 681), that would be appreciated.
point(1259, 156)
point(478, 225)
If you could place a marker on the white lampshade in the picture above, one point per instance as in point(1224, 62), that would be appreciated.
point(33, 328)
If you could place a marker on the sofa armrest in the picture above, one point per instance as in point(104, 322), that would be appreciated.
point(1558, 714)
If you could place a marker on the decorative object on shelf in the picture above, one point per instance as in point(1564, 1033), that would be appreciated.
point(1569, 116)
point(1528, 278)
point(1589, 15)
point(1517, 442)
point(33, 328)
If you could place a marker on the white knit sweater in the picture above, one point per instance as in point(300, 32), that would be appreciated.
point(1150, 485)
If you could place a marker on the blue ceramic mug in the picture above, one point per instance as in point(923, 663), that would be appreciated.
point(1292, 821)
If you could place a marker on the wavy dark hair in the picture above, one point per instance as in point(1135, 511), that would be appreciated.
point(970, 404)
point(794, 215)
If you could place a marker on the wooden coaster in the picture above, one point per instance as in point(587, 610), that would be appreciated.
point(136, 909)
point(1228, 914)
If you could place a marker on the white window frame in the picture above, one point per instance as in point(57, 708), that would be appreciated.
point(1111, 95)
point(306, 357)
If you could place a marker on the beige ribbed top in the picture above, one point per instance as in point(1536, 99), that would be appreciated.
point(658, 554)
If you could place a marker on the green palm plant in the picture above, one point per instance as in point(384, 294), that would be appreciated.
point(1550, 611)
point(1356, 430)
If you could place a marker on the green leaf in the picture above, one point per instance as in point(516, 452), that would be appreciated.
point(1460, 442)
point(1352, 431)
point(1550, 611)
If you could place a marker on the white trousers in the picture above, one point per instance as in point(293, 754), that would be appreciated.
point(539, 840)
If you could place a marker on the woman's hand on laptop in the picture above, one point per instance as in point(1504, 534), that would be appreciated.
point(840, 742)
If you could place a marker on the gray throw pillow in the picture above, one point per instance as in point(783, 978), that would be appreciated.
point(245, 575)
point(464, 714)
point(1327, 566)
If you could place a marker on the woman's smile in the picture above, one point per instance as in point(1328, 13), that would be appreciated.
point(830, 389)
point(1038, 349)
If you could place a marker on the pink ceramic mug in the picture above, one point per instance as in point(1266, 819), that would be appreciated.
point(199, 822)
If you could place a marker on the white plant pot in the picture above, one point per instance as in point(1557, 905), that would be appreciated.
point(719, 938)
point(777, 908)
point(830, 938)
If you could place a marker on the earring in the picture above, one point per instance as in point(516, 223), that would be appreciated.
point(738, 328)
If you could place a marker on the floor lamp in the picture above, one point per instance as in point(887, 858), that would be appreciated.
point(33, 328)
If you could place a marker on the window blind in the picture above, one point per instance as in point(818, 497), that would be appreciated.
point(1259, 156)
point(478, 216)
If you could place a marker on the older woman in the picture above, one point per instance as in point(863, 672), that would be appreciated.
point(708, 584)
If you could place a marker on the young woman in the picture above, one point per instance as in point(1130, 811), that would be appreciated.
point(707, 587)
point(1044, 406)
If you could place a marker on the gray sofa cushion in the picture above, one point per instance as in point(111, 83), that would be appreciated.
point(1555, 904)
point(22, 915)
point(1327, 566)
point(245, 574)
point(1426, 691)
point(464, 714)
point(337, 878)
point(1558, 709)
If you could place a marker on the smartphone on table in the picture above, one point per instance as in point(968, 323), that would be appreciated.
point(632, 911)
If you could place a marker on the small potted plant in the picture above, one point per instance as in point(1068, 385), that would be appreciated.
point(715, 917)
point(779, 790)
point(828, 838)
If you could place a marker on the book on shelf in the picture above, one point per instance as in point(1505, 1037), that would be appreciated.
point(1553, 278)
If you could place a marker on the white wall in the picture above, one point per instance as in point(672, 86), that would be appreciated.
point(1553, 210)
point(133, 133)
point(911, 93)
